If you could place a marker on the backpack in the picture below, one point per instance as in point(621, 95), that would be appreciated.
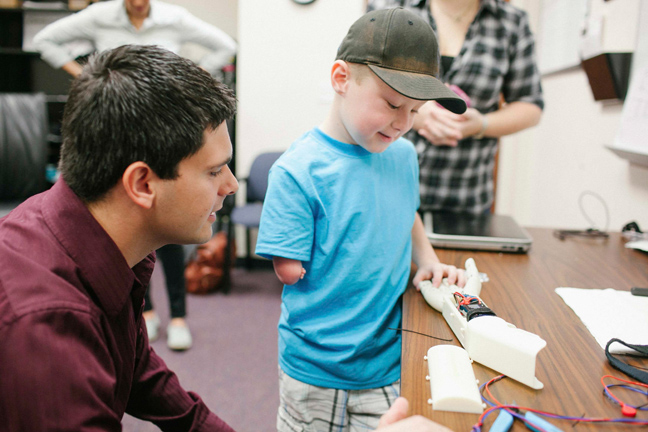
point(207, 271)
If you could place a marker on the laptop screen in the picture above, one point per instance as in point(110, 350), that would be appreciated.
point(482, 232)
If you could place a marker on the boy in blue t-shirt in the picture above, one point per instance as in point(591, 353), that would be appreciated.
point(340, 224)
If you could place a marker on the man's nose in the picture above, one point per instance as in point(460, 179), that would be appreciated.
point(231, 185)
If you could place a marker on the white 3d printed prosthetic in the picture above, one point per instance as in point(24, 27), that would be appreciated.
point(452, 380)
point(488, 340)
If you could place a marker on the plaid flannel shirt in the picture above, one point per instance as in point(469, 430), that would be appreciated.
point(497, 58)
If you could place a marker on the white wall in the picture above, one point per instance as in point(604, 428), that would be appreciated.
point(221, 13)
point(283, 70)
point(285, 54)
point(544, 171)
point(283, 65)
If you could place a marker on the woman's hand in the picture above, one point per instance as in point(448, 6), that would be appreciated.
point(438, 125)
point(73, 68)
point(445, 128)
point(471, 123)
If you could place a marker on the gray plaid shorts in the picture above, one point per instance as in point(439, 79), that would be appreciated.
point(307, 408)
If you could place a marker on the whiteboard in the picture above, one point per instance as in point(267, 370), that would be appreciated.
point(631, 141)
point(561, 27)
point(640, 56)
point(633, 131)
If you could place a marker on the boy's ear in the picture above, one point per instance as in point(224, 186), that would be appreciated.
point(139, 181)
point(340, 76)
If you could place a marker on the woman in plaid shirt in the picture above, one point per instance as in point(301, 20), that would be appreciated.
point(487, 52)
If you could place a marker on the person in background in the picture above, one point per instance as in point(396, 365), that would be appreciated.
point(339, 222)
point(109, 24)
point(487, 53)
point(140, 22)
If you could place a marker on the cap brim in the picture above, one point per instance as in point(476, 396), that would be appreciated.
point(421, 87)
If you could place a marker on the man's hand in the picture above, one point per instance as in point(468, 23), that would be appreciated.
point(395, 420)
point(397, 412)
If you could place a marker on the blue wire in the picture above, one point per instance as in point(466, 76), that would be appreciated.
point(514, 414)
point(556, 416)
point(627, 387)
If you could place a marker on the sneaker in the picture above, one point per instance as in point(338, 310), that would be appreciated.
point(152, 327)
point(178, 337)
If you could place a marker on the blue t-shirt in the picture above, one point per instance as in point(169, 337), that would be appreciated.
point(347, 214)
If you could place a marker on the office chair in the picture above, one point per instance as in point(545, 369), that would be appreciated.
point(249, 215)
point(23, 148)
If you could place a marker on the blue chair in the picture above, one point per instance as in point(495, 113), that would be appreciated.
point(249, 215)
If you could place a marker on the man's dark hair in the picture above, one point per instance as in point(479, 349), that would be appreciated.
point(136, 103)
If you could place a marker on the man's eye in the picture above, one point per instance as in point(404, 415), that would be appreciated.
point(394, 107)
point(216, 173)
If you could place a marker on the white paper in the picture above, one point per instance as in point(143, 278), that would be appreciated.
point(608, 314)
point(633, 131)
point(638, 244)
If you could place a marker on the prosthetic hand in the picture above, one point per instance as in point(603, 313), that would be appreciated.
point(487, 339)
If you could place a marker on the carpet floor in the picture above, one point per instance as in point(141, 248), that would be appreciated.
point(233, 362)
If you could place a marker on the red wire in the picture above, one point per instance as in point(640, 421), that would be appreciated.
point(622, 380)
point(497, 378)
point(465, 299)
point(590, 420)
point(506, 407)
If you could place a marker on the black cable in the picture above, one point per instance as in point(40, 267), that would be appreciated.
point(422, 334)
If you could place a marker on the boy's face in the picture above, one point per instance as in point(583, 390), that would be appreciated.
point(188, 203)
point(373, 114)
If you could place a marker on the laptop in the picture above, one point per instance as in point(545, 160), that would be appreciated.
point(488, 232)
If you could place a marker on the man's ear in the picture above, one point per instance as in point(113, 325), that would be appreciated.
point(138, 181)
point(340, 76)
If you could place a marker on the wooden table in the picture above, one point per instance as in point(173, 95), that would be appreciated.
point(521, 291)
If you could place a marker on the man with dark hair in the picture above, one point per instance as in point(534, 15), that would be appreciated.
point(143, 163)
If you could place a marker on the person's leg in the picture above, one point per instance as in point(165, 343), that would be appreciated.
point(150, 317)
point(172, 258)
point(365, 407)
point(148, 305)
point(308, 408)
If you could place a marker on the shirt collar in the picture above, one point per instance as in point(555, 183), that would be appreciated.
point(353, 150)
point(492, 5)
point(100, 262)
point(123, 15)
